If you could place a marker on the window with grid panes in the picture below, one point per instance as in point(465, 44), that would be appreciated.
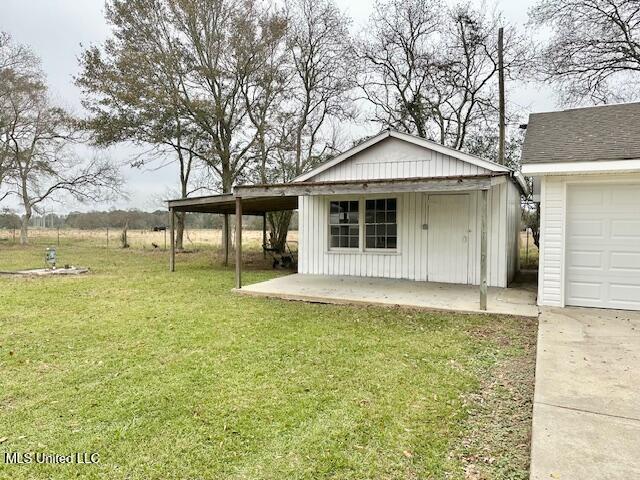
point(381, 229)
point(344, 224)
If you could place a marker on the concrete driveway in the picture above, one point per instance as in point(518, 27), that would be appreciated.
point(586, 414)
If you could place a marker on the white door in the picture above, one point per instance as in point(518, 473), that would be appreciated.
point(602, 254)
point(448, 238)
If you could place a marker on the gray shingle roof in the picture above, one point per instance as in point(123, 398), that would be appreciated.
point(608, 132)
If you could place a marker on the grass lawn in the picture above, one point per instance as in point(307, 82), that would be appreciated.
point(173, 376)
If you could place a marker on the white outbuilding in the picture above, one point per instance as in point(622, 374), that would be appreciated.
point(412, 209)
point(395, 206)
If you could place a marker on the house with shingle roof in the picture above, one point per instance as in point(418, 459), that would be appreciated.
point(586, 168)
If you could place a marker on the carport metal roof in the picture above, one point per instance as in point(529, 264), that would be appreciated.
point(226, 204)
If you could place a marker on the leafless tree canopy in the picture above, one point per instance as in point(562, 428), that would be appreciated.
point(35, 141)
point(431, 69)
point(18, 67)
point(245, 88)
point(594, 53)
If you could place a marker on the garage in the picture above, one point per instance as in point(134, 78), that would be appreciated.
point(602, 253)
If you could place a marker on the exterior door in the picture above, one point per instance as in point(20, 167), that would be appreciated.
point(602, 253)
point(447, 223)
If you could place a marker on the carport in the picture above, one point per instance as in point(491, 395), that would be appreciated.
point(226, 204)
point(262, 198)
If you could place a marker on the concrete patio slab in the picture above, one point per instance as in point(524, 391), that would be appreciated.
point(586, 418)
point(380, 291)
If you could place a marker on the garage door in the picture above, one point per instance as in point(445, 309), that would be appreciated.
point(603, 246)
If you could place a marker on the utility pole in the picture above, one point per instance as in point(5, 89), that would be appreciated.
point(501, 95)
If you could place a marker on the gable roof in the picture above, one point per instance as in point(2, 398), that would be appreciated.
point(608, 132)
point(452, 152)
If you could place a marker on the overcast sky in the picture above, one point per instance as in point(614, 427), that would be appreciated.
point(57, 30)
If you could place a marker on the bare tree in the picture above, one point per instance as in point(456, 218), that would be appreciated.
point(131, 94)
point(399, 53)
point(37, 141)
point(198, 51)
point(319, 90)
point(594, 51)
point(320, 47)
point(265, 93)
point(432, 70)
point(18, 64)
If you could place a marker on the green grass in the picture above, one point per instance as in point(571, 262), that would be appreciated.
point(173, 376)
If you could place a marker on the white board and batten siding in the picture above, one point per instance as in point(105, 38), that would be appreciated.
point(590, 241)
point(413, 259)
point(395, 158)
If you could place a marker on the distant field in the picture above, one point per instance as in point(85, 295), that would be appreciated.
point(252, 239)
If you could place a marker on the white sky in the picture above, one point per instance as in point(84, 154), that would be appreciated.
point(57, 30)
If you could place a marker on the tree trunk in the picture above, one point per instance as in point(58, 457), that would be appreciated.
point(180, 229)
point(26, 201)
point(24, 229)
point(535, 230)
point(227, 185)
point(279, 222)
point(225, 239)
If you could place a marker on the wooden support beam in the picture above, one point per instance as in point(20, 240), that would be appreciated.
point(238, 242)
point(483, 250)
point(172, 255)
point(370, 186)
point(264, 234)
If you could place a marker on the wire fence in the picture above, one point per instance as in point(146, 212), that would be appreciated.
point(193, 239)
point(528, 251)
point(136, 239)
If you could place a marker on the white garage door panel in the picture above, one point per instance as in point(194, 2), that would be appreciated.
point(603, 246)
point(626, 262)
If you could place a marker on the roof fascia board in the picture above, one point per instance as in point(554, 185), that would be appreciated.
point(206, 200)
point(558, 168)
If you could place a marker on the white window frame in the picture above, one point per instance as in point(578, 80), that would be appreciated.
point(364, 225)
point(361, 225)
point(347, 198)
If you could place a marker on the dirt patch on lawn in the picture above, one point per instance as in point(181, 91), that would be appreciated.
point(498, 439)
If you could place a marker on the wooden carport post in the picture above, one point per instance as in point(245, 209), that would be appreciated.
point(483, 249)
point(238, 242)
point(172, 255)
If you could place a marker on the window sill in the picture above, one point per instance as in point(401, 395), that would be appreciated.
point(382, 251)
point(357, 251)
